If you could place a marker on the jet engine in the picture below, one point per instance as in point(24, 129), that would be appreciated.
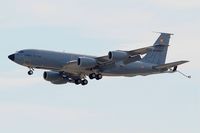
point(55, 77)
point(86, 62)
point(117, 55)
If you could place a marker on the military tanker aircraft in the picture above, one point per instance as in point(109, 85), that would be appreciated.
point(61, 67)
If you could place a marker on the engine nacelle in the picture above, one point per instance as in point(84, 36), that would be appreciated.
point(86, 62)
point(54, 77)
point(117, 55)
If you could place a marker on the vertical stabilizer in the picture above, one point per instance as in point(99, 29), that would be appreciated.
point(158, 54)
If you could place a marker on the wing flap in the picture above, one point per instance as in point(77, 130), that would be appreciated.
point(140, 51)
point(102, 59)
point(71, 65)
point(132, 59)
point(169, 65)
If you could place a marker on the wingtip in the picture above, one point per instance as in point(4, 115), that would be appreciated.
point(185, 61)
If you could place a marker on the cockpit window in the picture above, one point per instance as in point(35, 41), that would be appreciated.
point(21, 52)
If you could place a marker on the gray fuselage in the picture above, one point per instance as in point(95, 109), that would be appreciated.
point(55, 61)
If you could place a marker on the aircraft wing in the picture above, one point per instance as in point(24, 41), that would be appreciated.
point(169, 65)
point(140, 51)
point(132, 53)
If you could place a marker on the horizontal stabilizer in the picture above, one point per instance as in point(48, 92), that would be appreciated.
point(169, 65)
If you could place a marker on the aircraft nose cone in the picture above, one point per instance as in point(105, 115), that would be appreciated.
point(12, 57)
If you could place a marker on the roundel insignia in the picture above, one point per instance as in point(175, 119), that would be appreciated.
point(161, 40)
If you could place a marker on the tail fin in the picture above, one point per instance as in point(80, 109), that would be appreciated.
point(159, 52)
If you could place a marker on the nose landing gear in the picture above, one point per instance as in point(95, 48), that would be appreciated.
point(30, 72)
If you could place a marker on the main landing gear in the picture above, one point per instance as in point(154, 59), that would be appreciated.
point(85, 81)
point(96, 76)
point(79, 81)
